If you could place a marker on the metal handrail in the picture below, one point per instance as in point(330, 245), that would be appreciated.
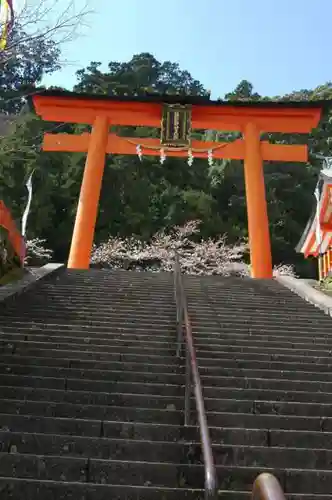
point(192, 376)
point(267, 487)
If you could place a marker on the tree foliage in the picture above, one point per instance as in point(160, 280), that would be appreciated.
point(211, 256)
point(29, 61)
point(139, 199)
point(142, 75)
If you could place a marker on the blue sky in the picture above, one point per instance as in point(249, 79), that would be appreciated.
point(278, 45)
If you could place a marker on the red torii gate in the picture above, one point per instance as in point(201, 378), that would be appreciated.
point(176, 116)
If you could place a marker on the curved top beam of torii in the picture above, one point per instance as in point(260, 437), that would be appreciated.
point(268, 116)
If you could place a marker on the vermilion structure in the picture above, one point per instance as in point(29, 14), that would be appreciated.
point(251, 119)
point(14, 236)
point(316, 240)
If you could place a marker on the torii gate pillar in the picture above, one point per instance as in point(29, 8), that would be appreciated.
point(87, 210)
point(258, 223)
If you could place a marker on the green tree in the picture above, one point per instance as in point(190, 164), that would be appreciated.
point(141, 75)
point(24, 69)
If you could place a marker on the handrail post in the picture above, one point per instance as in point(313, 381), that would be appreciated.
point(267, 487)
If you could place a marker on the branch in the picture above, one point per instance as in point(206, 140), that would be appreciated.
point(41, 21)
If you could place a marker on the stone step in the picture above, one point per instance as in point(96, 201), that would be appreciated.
point(124, 302)
point(168, 341)
point(42, 490)
point(212, 336)
point(88, 447)
point(283, 422)
point(289, 374)
point(266, 351)
point(202, 352)
point(263, 383)
point(272, 457)
point(207, 359)
point(123, 290)
point(135, 430)
point(87, 310)
point(120, 413)
point(258, 395)
point(299, 439)
point(83, 330)
point(96, 356)
point(212, 391)
point(202, 308)
point(29, 489)
point(239, 359)
point(263, 394)
point(102, 375)
point(243, 299)
point(112, 471)
point(270, 407)
point(147, 305)
point(259, 406)
point(153, 474)
point(78, 404)
point(102, 378)
point(87, 305)
point(215, 335)
point(90, 339)
point(152, 321)
point(137, 348)
point(272, 329)
point(168, 414)
point(65, 327)
point(51, 425)
point(231, 376)
point(277, 345)
point(247, 402)
point(157, 365)
point(167, 432)
point(91, 398)
point(93, 364)
point(90, 385)
point(161, 451)
point(221, 314)
point(98, 320)
point(93, 276)
point(119, 306)
point(162, 432)
point(45, 350)
point(133, 278)
point(224, 363)
point(200, 311)
point(257, 323)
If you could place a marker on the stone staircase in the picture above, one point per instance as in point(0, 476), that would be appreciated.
point(91, 393)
